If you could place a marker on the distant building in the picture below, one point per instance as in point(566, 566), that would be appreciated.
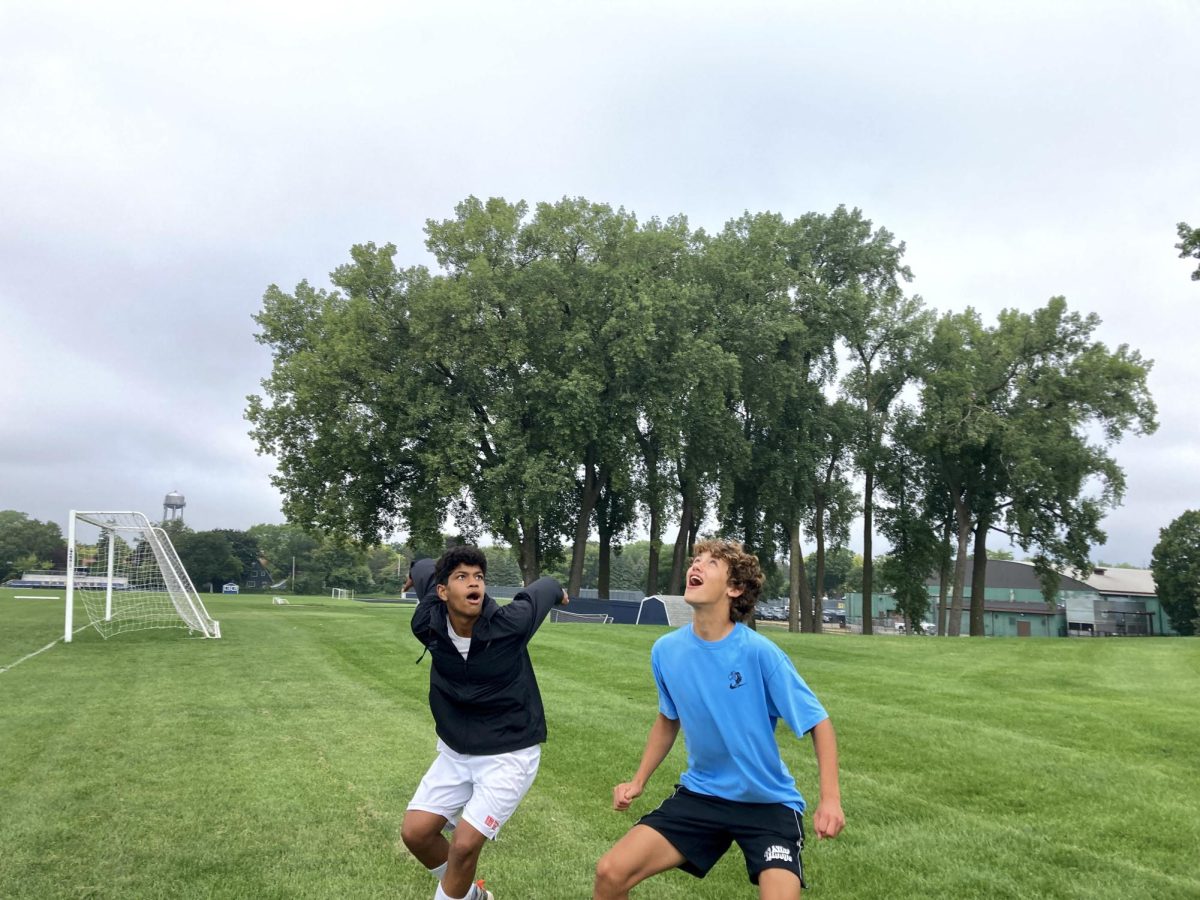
point(258, 575)
point(57, 578)
point(1108, 603)
point(1128, 602)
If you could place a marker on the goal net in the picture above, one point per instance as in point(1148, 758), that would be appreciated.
point(342, 594)
point(126, 576)
point(561, 615)
point(671, 607)
point(678, 610)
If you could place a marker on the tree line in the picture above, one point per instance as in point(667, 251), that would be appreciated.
point(312, 563)
point(569, 370)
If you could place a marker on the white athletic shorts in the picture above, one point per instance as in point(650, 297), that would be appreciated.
point(483, 790)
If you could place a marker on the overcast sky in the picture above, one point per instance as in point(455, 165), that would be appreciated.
point(162, 163)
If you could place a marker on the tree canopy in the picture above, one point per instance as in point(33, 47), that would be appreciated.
point(1175, 563)
point(1189, 245)
point(567, 370)
point(26, 543)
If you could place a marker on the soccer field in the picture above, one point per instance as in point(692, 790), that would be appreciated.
point(276, 762)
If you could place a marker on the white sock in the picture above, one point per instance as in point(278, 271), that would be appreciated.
point(442, 895)
point(438, 871)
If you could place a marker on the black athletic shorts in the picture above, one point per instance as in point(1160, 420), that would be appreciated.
point(770, 835)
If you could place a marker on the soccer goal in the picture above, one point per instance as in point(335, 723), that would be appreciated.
point(673, 608)
point(342, 594)
point(126, 576)
point(561, 615)
point(279, 601)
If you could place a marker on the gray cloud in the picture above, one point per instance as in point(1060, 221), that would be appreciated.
point(161, 164)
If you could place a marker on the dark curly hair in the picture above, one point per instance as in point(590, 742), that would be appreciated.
point(744, 572)
point(460, 555)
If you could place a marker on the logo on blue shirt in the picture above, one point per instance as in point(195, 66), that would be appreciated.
point(735, 680)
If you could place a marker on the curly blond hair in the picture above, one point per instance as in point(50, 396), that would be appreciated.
point(744, 572)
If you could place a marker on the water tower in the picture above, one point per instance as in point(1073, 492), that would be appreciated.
point(173, 505)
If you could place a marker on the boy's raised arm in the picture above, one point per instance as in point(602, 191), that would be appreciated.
point(421, 578)
point(540, 596)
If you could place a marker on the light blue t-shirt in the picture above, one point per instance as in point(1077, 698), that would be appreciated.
point(728, 695)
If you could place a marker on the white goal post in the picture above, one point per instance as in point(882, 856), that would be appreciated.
point(126, 575)
point(342, 594)
point(562, 615)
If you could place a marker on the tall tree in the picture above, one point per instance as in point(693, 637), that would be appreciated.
point(1189, 245)
point(245, 547)
point(584, 261)
point(494, 340)
point(834, 503)
point(1175, 562)
point(344, 404)
point(616, 513)
point(288, 549)
point(884, 331)
point(910, 519)
point(674, 357)
point(207, 556)
point(774, 316)
point(1018, 419)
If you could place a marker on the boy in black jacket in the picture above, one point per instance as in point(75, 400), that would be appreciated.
point(486, 708)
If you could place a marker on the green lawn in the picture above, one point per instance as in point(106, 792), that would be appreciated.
point(277, 761)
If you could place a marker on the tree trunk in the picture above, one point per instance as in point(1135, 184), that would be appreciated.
point(681, 544)
point(944, 579)
point(528, 557)
point(654, 503)
point(587, 502)
point(868, 572)
point(655, 552)
point(604, 527)
point(804, 595)
point(979, 578)
point(818, 599)
point(963, 519)
point(795, 574)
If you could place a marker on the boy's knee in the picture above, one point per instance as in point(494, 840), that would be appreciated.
point(466, 843)
point(409, 836)
point(610, 874)
point(414, 834)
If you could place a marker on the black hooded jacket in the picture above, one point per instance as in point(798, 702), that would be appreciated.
point(489, 702)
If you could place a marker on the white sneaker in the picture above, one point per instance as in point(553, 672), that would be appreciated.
point(478, 893)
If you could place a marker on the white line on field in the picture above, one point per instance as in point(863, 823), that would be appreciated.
point(4, 669)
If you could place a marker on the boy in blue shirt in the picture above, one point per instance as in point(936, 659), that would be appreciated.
point(726, 686)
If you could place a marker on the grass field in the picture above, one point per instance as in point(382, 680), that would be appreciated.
point(277, 761)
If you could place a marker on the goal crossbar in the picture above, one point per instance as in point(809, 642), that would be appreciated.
point(131, 577)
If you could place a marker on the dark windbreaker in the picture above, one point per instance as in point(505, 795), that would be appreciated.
point(489, 702)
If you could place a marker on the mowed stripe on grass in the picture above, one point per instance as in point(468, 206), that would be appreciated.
point(277, 761)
